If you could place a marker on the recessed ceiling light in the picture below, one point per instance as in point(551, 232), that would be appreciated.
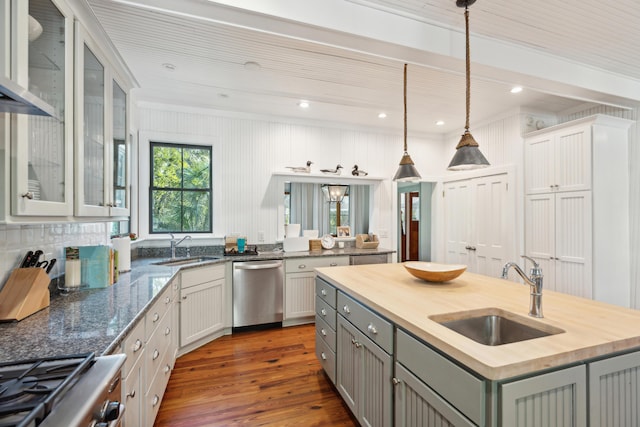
point(169, 66)
point(382, 115)
point(516, 89)
point(303, 104)
point(440, 123)
point(252, 66)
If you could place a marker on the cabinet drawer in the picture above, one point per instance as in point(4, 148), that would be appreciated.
point(326, 292)
point(376, 328)
point(157, 387)
point(132, 346)
point(196, 276)
point(158, 310)
point(298, 265)
point(326, 357)
point(157, 347)
point(325, 332)
point(460, 388)
point(325, 312)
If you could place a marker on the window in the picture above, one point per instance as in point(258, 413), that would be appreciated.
point(180, 194)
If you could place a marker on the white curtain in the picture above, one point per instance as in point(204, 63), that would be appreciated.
point(310, 209)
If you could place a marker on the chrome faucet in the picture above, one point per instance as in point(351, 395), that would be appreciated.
point(535, 282)
point(175, 243)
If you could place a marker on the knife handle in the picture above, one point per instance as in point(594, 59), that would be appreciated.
point(35, 258)
point(26, 260)
point(51, 264)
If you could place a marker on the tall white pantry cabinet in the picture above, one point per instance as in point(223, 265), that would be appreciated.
point(577, 207)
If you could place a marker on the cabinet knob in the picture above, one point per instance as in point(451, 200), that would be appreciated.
point(346, 309)
point(301, 266)
point(137, 346)
point(156, 317)
point(27, 195)
point(323, 312)
point(323, 332)
point(156, 354)
point(167, 331)
point(167, 300)
point(167, 368)
point(131, 394)
point(356, 343)
point(372, 329)
point(156, 400)
point(323, 292)
point(333, 264)
point(323, 356)
point(395, 381)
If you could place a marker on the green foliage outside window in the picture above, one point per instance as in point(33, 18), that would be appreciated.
point(180, 188)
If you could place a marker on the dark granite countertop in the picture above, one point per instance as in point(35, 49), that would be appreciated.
point(96, 320)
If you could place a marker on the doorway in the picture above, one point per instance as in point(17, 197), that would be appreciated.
point(414, 221)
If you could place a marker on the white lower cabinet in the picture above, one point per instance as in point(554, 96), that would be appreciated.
point(299, 286)
point(202, 303)
point(559, 398)
point(364, 368)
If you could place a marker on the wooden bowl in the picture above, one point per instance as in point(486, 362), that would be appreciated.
point(434, 272)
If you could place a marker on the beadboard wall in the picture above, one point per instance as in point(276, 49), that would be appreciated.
point(247, 150)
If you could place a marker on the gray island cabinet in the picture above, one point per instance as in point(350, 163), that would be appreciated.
point(392, 368)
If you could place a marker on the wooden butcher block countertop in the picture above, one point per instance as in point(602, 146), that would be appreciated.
point(592, 329)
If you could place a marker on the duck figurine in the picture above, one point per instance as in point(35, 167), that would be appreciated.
point(358, 172)
point(335, 171)
point(301, 169)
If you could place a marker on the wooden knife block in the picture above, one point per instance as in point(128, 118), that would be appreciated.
point(26, 292)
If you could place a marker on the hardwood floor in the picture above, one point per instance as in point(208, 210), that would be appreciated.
point(256, 378)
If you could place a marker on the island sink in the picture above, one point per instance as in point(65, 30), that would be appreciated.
point(494, 326)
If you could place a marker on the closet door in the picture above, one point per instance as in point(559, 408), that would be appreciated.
point(458, 223)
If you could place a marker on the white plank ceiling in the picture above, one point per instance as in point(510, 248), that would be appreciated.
point(264, 56)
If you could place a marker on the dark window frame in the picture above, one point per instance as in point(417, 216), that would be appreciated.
point(182, 189)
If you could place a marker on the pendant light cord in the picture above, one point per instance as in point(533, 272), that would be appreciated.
point(405, 108)
point(468, 65)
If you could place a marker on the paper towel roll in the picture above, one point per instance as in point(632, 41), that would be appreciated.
point(123, 246)
point(72, 278)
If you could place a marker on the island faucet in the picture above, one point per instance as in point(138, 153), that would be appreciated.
point(535, 282)
point(175, 242)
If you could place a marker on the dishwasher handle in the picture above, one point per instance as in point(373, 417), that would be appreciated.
point(265, 266)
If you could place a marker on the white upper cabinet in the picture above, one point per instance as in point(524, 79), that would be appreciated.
point(101, 150)
point(559, 160)
point(41, 59)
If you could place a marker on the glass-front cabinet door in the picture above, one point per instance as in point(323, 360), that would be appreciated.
point(41, 147)
point(101, 134)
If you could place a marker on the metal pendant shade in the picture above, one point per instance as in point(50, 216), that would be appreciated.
point(468, 155)
point(407, 170)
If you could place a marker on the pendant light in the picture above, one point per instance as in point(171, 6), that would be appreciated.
point(334, 192)
point(468, 155)
point(407, 170)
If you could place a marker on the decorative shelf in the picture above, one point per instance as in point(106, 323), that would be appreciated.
point(323, 178)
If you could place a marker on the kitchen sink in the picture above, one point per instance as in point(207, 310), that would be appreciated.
point(494, 326)
point(175, 262)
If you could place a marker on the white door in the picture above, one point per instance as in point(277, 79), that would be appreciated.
point(494, 224)
point(458, 226)
point(539, 165)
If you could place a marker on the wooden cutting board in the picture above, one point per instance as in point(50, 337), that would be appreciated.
point(26, 292)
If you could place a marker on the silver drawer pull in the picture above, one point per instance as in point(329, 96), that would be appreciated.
point(301, 266)
point(346, 309)
point(156, 400)
point(156, 317)
point(323, 312)
point(324, 356)
point(137, 346)
point(167, 368)
point(132, 394)
point(333, 264)
point(167, 300)
point(372, 329)
point(323, 332)
point(156, 354)
point(323, 292)
point(395, 381)
point(167, 331)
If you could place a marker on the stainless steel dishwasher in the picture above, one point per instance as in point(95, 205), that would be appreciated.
point(257, 292)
